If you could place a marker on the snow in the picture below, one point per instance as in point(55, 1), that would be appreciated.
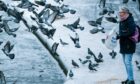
point(111, 71)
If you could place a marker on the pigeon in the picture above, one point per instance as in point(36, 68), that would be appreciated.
point(97, 22)
point(63, 43)
point(72, 11)
point(90, 52)
point(83, 62)
point(1, 26)
point(27, 5)
point(137, 64)
point(58, 1)
point(95, 58)
point(46, 14)
point(40, 2)
point(96, 30)
point(2, 78)
point(15, 13)
point(69, 27)
point(1, 42)
point(76, 40)
point(75, 64)
point(103, 12)
point(3, 6)
point(13, 29)
point(103, 41)
point(54, 48)
point(33, 28)
point(112, 19)
point(7, 29)
point(90, 67)
point(113, 54)
point(11, 56)
point(8, 47)
point(0, 18)
point(52, 18)
point(88, 57)
point(94, 65)
point(47, 32)
point(100, 56)
point(74, 25)
point(71, 74)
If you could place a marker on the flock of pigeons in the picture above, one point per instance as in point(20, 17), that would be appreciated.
point(98, 59)
point(47, 16)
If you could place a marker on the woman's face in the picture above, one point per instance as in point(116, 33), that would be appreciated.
point(122, 13)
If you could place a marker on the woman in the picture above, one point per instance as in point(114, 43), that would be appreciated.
point(127, 28)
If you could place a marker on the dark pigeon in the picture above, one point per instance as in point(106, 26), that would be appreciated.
point(137, 64)
point(7, 29)
point(41, 2)
point(83, 61)
point(63, 43)
point(48, 32)
point(76, 40)
point(27, 5)
point(2, 78)
point(75, 64)
point(15, 14)
point(103, 41)
point(8, 47)
point(95, 58)
point(97, 22)
point(3, 6)
point(54, 48)
point(74, 25)
point(90, 52)
point(72, 11)
point(113, 54)
point(112, 19)
point(71, 74)
point(100, 56)
point(90, 67)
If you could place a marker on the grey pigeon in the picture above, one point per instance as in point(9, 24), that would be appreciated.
point(63, 43)
point(76, 40)
point(75, 64)
point(54, 48)
point(71, 74)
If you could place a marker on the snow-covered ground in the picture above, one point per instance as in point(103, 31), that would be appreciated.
point(111, 71)
point(32, 64)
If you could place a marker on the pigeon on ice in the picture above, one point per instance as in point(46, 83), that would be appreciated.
point(95, 58)
point(75, 25)
point(91, 67)
point(111, 19)
point(100, 56)
point(63, 43)
point(8, 30)
point(137, 64)
point(83, 61)
point(71, 74)
point(7, 49)
point(54, 48)
point(40, 2)
point(113, 54)
point(75, 64)
point(25, 4)
point(48, 32)
point(76, 40)
point(97, 22)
